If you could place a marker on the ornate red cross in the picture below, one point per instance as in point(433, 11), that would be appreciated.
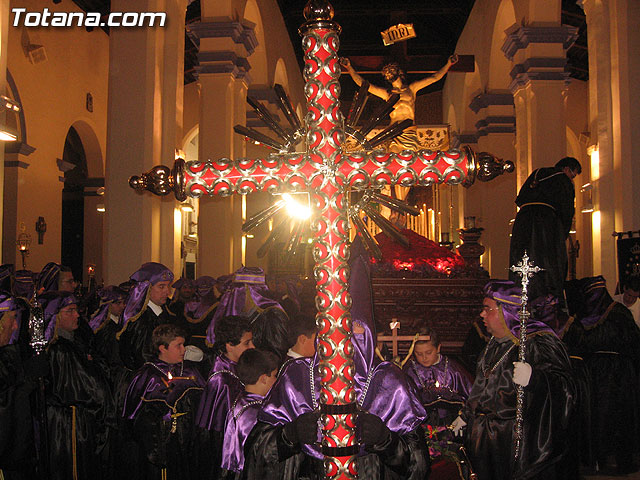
point(328, 175)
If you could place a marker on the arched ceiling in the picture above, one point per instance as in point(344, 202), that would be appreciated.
point(438, 24)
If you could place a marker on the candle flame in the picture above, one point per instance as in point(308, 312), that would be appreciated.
point(169, 376)
point(437, 384)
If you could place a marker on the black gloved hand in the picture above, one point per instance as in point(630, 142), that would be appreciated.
point(303, 429)
point(37, 366)
point(371, 429)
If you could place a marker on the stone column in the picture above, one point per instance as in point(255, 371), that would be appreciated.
point(614, 100)
point(539, 79)
point(495, 134)
point(144, 87)
point(223, 79)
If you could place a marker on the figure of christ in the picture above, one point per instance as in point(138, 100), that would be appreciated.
point(405, 107)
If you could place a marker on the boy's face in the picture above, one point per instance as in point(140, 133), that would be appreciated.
point(234, 351)
point(426, 353)
point(174, 352)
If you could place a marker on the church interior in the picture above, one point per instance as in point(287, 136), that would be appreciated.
point(96, 114)
point(534, 83)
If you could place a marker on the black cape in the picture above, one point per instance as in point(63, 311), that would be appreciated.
point(135, 339)
point(80, 411)
point(491, 410)
point(542, 230)
point(17, 449)
point(611, 352)
point(268, 454)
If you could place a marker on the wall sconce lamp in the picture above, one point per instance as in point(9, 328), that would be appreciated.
point(101, 208)
point(193, 230)
point(587, 198)
point(23, 243)
point(7, 132)
point(186, 207)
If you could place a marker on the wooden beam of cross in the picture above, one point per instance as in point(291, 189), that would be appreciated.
point(327, 175)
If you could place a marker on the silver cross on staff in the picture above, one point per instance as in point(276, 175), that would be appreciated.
point(526, 270)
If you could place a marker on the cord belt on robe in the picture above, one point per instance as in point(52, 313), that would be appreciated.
point(538, 203)
point(74, 443)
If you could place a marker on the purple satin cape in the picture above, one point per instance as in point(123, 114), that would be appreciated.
point(381, 389)
point(107, 295)
point(8, 304)
point(508, 295)
point(206, 298)
point(241, 418)
point(181, 282)
point(23, 284)
point(222, 387)
point(247, 295)
point(454, 383)
point(148, 274)
point(387, 395)
point(151, 384)
point(595, 299)
point(48, 277)
point(52, 307)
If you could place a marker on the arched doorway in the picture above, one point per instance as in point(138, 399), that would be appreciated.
point(74, 163)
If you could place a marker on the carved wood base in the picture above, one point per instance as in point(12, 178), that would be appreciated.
point(449, 306)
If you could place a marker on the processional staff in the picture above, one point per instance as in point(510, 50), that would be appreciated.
point(327, 174)
point(38, 342)
point(526, 269)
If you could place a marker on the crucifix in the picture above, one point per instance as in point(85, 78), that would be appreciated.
point(327, 175)
point(395, 339)
point(526, 270)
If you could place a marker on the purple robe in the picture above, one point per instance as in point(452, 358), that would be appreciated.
point(160, 403)
point(380, 389)
point(223, 386)
point(241, 418)
point(246, 295)
point(454, 382)
point(151, 383)
point(385, 393)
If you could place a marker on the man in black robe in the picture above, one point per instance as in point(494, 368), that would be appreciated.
point(59, 278)
point(542, 225)
point(145, 310)
point(490, 412)
point(606, 336)
point(80, 407)
point(18, 378)
point(184, 292)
